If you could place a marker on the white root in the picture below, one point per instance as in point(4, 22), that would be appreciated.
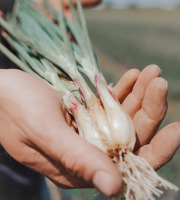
point(140, 180)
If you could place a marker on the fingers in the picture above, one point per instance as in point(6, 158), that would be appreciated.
point(125, 84)
point(81, 159)
point(133, 102)
point(56, 5)
point(84, 2)
point(162, 147)
point(154, 106)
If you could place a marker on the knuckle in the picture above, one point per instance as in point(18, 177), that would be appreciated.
point(75, 166)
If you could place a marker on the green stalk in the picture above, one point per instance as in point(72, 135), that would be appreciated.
point(89, 66)
point(42, 68)
point(16, 60)
point(15, 11)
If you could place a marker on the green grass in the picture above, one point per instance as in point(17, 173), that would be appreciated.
point(131, 45)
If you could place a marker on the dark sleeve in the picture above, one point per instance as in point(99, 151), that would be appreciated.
point(6, 5)
point(19, 183)
point(5, 63)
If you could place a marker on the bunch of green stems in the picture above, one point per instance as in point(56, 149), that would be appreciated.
point(45, 49)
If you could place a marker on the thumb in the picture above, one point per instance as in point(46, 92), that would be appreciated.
point(82, 159)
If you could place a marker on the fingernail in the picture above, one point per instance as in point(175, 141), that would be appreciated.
point(156, 67)
point(106, 183)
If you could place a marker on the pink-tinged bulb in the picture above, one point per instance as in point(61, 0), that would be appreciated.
point(88, 129)
point(95, 109)
point(122, 128)
point(99, 117)
point(121, 125)
point(86, 125)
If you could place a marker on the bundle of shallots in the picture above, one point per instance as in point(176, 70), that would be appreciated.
point(42, 47)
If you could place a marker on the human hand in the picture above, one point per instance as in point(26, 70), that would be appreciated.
point(85, 3)
point(34, 131)
point(144, 96)
point(46, 144)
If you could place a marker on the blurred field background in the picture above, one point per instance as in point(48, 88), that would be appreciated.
point(135, 38)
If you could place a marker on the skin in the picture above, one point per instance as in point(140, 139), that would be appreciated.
point(35, 132)
point(144, 96)
point(85, 3)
